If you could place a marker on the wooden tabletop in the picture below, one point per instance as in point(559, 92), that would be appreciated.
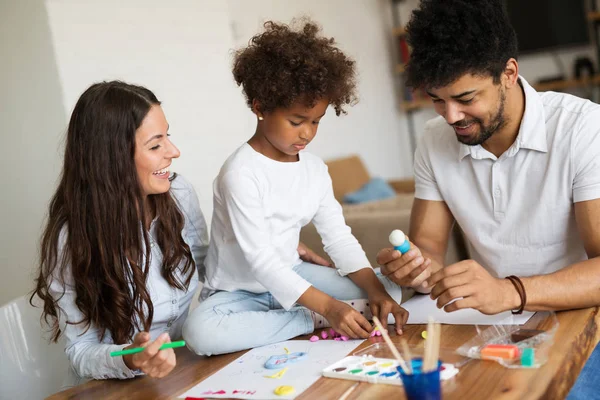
point(574, 340)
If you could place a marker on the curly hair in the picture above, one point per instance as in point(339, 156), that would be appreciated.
point(282, 66)
point(450, 38)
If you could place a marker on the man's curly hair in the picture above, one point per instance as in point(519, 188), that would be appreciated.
point(450, 38)
point(282, 66)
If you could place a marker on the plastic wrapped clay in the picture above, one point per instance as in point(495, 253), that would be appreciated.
point(332, 333)
point(506, 351)
point(528, 357)
point(324, 335)
point(314, 338)
point(344, 338)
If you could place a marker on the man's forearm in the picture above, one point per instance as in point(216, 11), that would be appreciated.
point(576, 286)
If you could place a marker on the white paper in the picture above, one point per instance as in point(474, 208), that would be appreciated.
point(421, 307)
point(244, 378)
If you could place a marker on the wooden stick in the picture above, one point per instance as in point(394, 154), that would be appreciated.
point(407, 353)
point(428, 346)
point(436, 348)
point(432, 350)
point(349, 391)
point(393, 349)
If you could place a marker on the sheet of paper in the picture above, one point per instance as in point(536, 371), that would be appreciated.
point(421, 307)
point(245, 378)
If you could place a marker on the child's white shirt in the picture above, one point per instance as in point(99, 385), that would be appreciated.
point(260, 205)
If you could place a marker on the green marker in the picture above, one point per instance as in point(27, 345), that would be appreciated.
point(170, 345)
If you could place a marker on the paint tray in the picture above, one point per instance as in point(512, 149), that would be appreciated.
point(375, 364)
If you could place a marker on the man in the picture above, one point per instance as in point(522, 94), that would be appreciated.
point(518, 170)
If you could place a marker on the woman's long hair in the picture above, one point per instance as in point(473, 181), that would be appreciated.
point(95, 232)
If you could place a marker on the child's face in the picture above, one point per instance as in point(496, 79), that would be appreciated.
point(287, 131)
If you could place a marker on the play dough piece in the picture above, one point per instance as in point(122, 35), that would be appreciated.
point(283, 360)
point(284, 390)
point(507, 351)
point(314, 338)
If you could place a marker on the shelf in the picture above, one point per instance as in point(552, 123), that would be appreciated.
point(567, 84)
point(416, 104)
point(594, 16)
point(399, 31)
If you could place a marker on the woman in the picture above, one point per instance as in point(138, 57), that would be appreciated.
point(124, 238)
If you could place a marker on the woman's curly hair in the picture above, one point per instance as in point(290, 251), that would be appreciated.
point(450, 38)
point(282, 66)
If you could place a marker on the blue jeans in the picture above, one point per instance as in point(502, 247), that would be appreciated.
point(232, 321)
point(587, 385)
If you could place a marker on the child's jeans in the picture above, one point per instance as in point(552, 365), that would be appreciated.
point(231, 321)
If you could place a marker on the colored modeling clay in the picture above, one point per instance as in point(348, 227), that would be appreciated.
point(284, 390)
point(507, 351)
point(282, 360)
point(528, 357)
point(314, 338)
point(278, 374)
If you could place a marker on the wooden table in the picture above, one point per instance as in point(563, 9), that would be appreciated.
point(575, 339)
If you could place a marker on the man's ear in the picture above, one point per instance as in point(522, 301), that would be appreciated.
point(510, 76)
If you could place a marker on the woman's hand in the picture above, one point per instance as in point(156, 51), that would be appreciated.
point(152, 361)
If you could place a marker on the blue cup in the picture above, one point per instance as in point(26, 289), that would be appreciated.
point(422, 385)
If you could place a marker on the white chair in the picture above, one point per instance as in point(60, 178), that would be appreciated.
point(30, 366)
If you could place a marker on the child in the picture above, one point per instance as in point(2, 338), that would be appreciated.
point(257, 291)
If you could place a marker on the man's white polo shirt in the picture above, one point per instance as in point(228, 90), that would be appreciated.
point(517, 210)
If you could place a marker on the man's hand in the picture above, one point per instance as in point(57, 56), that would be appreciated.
point(382, 304)
point(152, 361)
point(310, 256)
point(474, 287)
point(408, 269)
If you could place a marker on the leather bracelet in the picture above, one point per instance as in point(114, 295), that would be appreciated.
point(518, 284)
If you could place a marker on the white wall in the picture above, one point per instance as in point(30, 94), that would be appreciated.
point(374, 128)
point(180, 50)
point(32, 122)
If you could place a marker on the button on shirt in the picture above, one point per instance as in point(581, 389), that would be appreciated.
point(90, 358)
point(517, 210)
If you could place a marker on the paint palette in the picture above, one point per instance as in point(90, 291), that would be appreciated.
point(375, 370)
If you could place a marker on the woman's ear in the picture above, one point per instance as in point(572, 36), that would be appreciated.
point(256, 109)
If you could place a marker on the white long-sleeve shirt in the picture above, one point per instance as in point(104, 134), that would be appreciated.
point(260, 205)
point(88, 356)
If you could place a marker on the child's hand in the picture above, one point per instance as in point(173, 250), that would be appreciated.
point(347, 321)
point(307, 255)
point(152, 361)
point(382, 304)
